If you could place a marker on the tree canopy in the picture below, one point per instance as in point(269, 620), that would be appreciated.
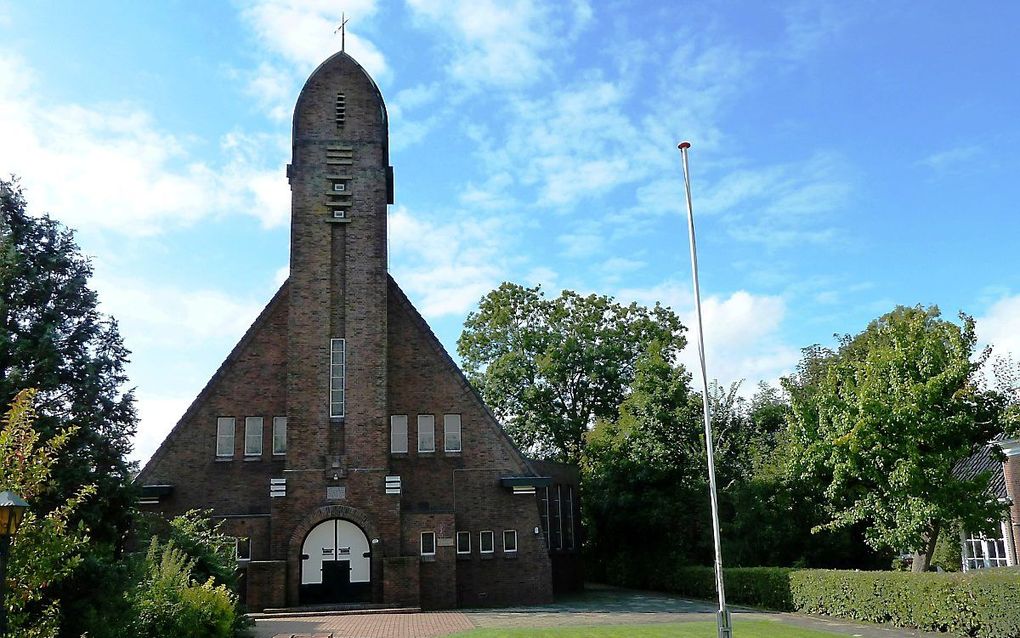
point(550, 367)
point(53, 338)
point(881, 421)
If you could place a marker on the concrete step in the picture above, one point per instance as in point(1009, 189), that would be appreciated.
point(307, 611)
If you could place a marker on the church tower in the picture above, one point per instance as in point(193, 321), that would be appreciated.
point(339, 441)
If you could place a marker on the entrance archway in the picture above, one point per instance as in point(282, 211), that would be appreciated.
point(336, 564)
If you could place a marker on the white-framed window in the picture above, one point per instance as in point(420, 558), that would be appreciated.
point(428, 543)
point(398, 434)
point(339, 187)
point(509, 540)
point(225, 436)
point(984, 552)
point(279, 435)
point(242, 548)
point(253, 436)
point(451, 432)
point(337, 376)
point(463, 542)
point(485, 542)
point(426, 433)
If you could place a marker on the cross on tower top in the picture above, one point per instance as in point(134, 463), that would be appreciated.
point(343, 30)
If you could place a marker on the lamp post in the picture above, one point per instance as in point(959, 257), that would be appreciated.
point(12, 510)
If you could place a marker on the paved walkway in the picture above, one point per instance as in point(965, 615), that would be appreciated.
point(598, 605)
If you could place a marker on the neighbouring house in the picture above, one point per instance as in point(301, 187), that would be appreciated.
point(980, 551)
point(338, 441)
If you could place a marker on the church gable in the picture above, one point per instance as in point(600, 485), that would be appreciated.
point(424, 379)
point(251, 382)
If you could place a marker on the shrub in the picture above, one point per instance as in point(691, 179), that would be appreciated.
point(985, 604)
point(169, 603)
point(979, 604)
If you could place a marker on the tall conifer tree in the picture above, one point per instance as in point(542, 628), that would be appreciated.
point(53, 338)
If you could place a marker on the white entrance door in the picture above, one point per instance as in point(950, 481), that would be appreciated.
point(335, 540)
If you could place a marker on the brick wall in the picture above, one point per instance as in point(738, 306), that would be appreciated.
point(1011, 472)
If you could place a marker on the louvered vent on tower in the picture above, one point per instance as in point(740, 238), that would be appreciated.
point(341, 110)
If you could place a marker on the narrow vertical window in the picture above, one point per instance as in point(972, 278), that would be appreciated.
point(426, 433)
point(451, 432)
point(570, 517)
point(398, 434)
point(279, 435)
point(463, 542)
point(555, 527)
point(253, 436)
point(509, 540)
point(225, 436)
point(559, 515)
point(242, 548)
point(337, 376)
point(543, 513)
point(428, 543)
point(485, 542)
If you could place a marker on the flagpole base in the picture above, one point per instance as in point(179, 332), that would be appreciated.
point(723, 623)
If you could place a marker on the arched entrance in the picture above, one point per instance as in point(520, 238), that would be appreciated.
point(336, 564)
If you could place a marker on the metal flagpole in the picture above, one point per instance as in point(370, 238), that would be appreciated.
point(725, 629)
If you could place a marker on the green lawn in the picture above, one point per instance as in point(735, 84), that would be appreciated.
point(750, 629)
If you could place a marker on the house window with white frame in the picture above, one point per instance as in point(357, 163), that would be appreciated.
point(463, 543)
point(983, 552)
point(509, 541)
point(485, 542)
point(279, 435)
point(426, 433)
point(428, 543)
point(253, 436)
point(451, 432)
point(398, 434)
point(337, 377)
point(225, 436)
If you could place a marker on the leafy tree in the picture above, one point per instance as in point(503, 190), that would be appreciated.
point(643, 472)
point(550, 367)
point(880, 423)
point(47, 548)
point(53, 338)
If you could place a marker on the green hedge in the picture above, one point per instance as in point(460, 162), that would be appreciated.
point(982, 604)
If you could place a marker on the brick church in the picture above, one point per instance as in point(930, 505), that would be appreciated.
point(338, 441)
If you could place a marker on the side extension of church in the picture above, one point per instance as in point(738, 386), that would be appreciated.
point(338, 441)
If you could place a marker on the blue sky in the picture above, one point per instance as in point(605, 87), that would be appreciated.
point(847, 157)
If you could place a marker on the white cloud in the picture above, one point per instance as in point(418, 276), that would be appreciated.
point(148, 313)
point(157, 415)
point(502, 43)
point(742, 332)
point(1000, 327)
point(302, 31)
point(281, 275)
point(447, 265)
point(110, 166)
point(943, 160)
point(779, 204)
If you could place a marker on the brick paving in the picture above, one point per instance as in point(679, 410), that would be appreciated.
point(597, 606)
point(422, 625)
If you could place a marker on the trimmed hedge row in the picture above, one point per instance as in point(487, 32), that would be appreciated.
point(981, 604)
